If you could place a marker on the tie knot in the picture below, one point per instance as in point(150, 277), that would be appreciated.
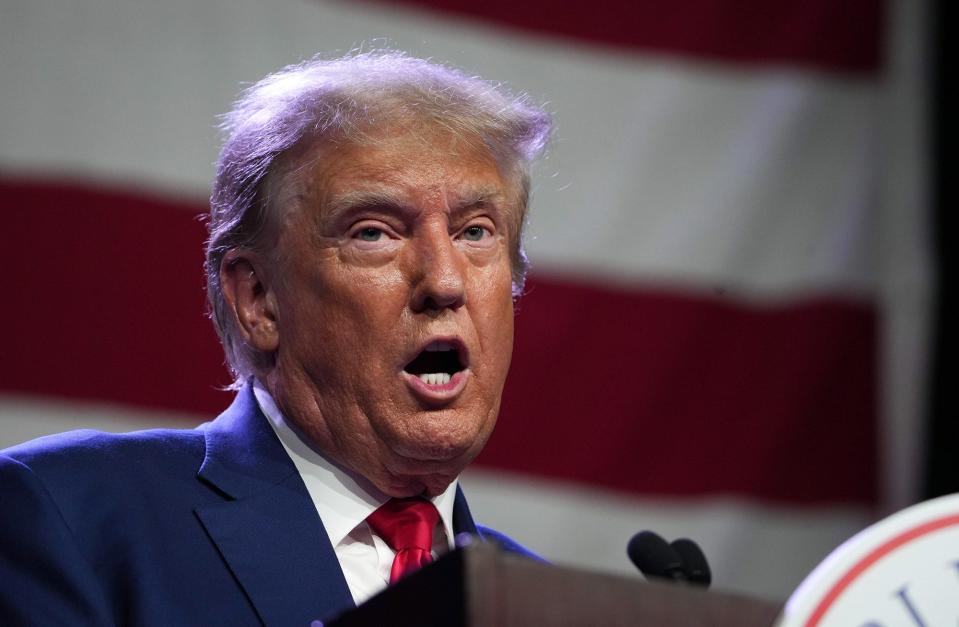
point(405, 523)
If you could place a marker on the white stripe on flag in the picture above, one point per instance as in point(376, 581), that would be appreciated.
point(24, 418)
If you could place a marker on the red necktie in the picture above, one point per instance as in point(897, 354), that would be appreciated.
point(406, 525)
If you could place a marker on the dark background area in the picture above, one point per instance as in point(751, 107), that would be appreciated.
point(942, 475)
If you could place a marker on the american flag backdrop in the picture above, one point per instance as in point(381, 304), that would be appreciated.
point(724, 334)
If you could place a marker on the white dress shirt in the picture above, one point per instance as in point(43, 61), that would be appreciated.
point(343, 502)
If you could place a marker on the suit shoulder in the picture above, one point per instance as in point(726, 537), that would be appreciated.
point(506, 543)
point(87, 450)
point(97, 480)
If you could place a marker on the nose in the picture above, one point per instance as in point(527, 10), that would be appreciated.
point(438, 272)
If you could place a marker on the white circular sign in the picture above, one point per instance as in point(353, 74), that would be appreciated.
point(902, 571)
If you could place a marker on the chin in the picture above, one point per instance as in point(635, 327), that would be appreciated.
point(443, 450)
point(451, 435)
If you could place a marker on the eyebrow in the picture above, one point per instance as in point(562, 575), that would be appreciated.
point(366, 199)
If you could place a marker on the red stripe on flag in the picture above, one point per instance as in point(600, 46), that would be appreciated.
point(658, 393)
point(642, 391)
point(107, 299)
point(830, 36)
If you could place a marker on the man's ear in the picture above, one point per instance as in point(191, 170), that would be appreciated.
point(251, 300)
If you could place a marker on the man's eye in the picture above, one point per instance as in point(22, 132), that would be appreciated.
point(369, 234)
point(474, 233)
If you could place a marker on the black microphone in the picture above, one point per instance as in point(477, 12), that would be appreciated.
point(655, 557)
point(682, 560)
point(694, 561)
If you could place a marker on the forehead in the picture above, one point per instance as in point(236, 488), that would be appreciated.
point(414, 168)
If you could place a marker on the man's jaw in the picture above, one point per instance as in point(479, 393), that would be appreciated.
point(399, 475)
point(398, 467)
point(418, 485)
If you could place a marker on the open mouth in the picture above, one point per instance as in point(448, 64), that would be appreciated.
point(437, 363)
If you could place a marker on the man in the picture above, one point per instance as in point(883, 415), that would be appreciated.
point(364, 253)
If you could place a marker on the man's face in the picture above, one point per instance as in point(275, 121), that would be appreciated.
point(394, 307)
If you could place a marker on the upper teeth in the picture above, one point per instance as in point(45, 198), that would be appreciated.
point(438, 378)
point(438, 347)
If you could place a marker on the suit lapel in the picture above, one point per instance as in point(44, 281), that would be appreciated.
point(267, 530)
point(462, 518)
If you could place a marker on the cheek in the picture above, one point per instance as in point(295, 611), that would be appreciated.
point(339, 315)
point(495, 319)
point(355, 295)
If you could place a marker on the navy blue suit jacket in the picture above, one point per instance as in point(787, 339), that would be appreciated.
point(169, 527)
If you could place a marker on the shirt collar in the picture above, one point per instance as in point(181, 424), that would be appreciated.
point(342, 499)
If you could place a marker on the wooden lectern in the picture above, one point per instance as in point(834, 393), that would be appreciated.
point(481, 586)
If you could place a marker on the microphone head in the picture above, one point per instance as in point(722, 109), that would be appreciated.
point(655, 557)
point(694, 560)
